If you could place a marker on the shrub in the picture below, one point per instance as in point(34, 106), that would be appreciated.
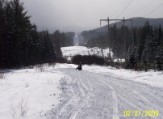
point(61, 60)
point(88, 59)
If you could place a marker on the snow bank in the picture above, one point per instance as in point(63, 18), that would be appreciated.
point(28, 93)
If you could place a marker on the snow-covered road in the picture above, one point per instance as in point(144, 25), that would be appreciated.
point(97, 92)
point(90, 95)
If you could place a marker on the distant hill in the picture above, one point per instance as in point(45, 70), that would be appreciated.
point(137, 22)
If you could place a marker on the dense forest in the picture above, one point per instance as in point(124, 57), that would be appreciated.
point(20, 42)
point(141, 47)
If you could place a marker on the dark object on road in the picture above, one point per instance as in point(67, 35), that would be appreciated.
point(79, 66)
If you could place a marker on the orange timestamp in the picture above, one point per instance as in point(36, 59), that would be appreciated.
point(142, 113)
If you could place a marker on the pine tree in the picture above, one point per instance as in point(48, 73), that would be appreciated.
point(159, 51)
point(57, 43)
point(146, 53)
point(47, 50)
point(131, 60)
point(21, 31)
point(20, 43)
point(2, 33)
point(159, 58)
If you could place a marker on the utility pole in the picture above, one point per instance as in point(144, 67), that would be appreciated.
point(108, 20)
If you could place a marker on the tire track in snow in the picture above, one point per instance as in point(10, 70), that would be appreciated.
point(96, 96)
point(80, 102)
point(74, 114)
point(138, 93)
point(82, 87)
point(141, 94)
point(113, 93)
point(114, 96)
point(115, 108)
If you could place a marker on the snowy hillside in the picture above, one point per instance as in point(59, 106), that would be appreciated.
point(82, 50)
point(62, 92)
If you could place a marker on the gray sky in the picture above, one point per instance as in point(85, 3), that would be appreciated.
point(76, 15)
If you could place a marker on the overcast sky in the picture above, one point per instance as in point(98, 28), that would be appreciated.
point(76, 15)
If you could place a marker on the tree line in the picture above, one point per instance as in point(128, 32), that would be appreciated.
point(146, 48)
point(20, 42)
point(141, 47)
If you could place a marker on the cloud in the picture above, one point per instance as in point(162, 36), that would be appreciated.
point(76, 15)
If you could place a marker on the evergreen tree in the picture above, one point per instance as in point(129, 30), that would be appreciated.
point(57, 40)
point(159, 51)
point(21, 31)
point(20, 44)
point(131, 60)
point(2, 33)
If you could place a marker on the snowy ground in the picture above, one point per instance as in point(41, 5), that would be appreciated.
point(28, 93)
point(61, 92)
point(105, 93)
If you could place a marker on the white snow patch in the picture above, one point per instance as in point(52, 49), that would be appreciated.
point(82, 50)
point(28, 93)
point(119, 60)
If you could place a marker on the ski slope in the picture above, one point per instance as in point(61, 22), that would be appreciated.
point(62, 92)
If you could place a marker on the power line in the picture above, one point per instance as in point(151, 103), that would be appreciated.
point(125, 8)
point(153, 10)
point(117, 11)
point(129, 3)
point(144, 7)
